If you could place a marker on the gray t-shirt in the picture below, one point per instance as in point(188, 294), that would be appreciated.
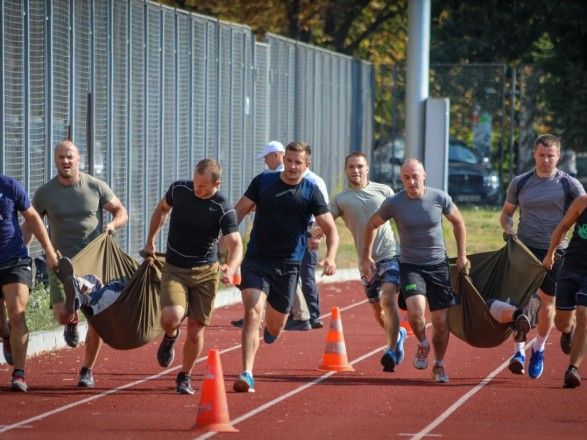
point(419, 225)
point(541, 202)
point(74, 212)
point(356, 206)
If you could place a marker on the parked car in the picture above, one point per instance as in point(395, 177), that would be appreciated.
point(471, 178)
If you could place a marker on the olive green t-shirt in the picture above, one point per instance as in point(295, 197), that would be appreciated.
point(74, 212)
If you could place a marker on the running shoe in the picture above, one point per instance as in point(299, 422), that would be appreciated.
point(421, 357)
point(268, 337)
point(70, 333)
point(166, 353)
point(183, 384)
point(389, 360)
point(567, 341)
point(572, 378)
point(517, 363)
point(298, 324)
point(536, 365)
point(238, 323)
point(439, 374)
point(399, 348)
point(522, 327)
point(86, 378)
point(18, 383)
point(316, 323)
point(244, 384)
point(6, 347)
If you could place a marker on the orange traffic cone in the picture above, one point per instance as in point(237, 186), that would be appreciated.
point(406, 325)
point(335, 358)
point(213, 411)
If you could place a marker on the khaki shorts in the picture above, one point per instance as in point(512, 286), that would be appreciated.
point(56, 292)
point(194, 289)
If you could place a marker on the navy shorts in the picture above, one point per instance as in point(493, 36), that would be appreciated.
point(571, 290)
point(17, 270)
point(548, 285)
point(433, 281)
point(277, 279)
point(387, 271)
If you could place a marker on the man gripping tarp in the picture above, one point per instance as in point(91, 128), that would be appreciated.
point(509, 275)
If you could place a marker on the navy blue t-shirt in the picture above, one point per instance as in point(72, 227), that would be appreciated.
point(282, 215)
point(13, 199)
point(195, 224)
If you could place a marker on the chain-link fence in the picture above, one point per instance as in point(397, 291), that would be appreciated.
point(146, 91)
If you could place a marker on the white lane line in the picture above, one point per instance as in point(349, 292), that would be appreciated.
point(23, 423)
point(451, 409)
point(290, 394)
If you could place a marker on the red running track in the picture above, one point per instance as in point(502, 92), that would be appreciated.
point(134, 398)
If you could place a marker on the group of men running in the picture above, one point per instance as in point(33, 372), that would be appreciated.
point(550, 202)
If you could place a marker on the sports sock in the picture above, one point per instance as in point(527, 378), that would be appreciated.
point(519, 347)
point(539, 343)
point(424, 343)
point(439, 363)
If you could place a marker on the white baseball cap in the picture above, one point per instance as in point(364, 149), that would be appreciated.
point(272, 147)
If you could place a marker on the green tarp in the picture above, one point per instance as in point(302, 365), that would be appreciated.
point(511, 274)
point(134, 318)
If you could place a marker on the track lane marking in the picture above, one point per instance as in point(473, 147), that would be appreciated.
point(451, 409)
point(26, 422)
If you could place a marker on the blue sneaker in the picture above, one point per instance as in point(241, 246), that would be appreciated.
point(268, 337)
point(536, 365)
point(399, 348)
point(517, 362)
point(244, 384)
point(389, 360)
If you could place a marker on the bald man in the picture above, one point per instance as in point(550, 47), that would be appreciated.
point(73, 203)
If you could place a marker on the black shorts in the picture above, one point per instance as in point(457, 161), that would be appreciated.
point(571, 289)
point(433, 281)
point(277, 279)
point(548, 285)
point(17, 270)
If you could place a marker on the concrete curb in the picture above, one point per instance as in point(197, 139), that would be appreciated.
point(42, 341)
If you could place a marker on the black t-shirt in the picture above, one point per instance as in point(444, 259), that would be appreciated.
point(282, 215)
point(195, 224)
point(577, 250)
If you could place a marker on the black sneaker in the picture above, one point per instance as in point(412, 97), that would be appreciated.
point(296, 324)
point(70, 334)
point(183, 384)
point(522, 327)
point(86, 379)
point(238, 323)
point(567, 340)
point(166, 353)
point(316, 323)
point(6, 347)
point(572, 378)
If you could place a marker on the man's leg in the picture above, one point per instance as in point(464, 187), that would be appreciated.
point(93, 344)
point(16, 296)
point(193, 346)
point(309, 288)
point(171, 318)
point(390, 313)
point(578, 349)
point(254, 303)
point(300, 315)
point(440, 333)
point(416, 305)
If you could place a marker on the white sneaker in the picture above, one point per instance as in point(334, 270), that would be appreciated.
point(421, 357)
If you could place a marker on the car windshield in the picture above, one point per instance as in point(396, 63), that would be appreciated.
point(459, 153)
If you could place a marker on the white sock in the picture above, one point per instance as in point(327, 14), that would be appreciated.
point(439, 363)
point(424, 343)
point(539, 343)
point(519, 347)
